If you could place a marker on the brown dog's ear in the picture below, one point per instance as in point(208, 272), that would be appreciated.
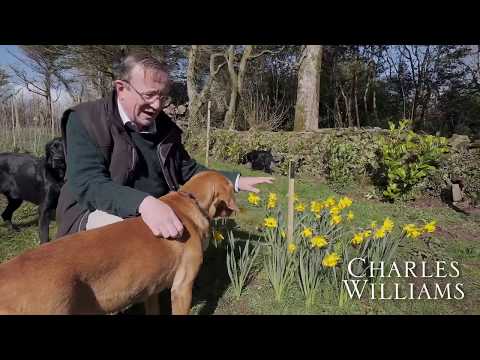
point(223, 209)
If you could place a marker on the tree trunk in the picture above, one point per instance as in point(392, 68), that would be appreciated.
point(48, 98)
point(374, 101)
point(348, 110)
point(17, 118)
point(355, 97)
point(425, 103)
point(195, 98)
point(413, 110)
point(229, 120)
point(338, 114)
point(365, 98)
point(247, 52)
point(308, 91)
point(13, 124)
point(191, 84)
point(236, 81)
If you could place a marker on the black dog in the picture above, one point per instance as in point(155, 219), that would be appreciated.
point(24, 177)
point(260, 160)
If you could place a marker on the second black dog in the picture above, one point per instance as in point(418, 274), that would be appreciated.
point(25, 177)
point(260, 160)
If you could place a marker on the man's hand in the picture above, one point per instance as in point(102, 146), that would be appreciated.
point(247, 183)
point(160, 218)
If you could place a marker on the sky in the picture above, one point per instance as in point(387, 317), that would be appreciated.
point(5, 58)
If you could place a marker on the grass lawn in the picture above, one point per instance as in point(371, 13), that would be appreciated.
point(457, 238)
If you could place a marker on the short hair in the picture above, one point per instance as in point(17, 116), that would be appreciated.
point(123, 67)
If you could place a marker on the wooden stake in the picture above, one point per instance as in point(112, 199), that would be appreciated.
point(208, 135)
point(291, 198)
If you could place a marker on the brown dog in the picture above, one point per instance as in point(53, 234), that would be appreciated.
point(105, 270)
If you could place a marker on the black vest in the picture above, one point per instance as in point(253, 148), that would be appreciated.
point(103, 123)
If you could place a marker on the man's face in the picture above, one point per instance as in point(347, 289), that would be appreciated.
point(143, 96)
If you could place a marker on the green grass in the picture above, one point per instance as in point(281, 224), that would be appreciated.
point(29, 139)
point(458, 238)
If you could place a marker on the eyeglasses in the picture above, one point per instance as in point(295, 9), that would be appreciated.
point(149, 97)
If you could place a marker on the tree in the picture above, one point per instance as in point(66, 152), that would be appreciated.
point(94, 64)
point(424, 72)
point(246, 53)
point(199, 81)
point(308, 90)
point(46, 74)
point(4, 85)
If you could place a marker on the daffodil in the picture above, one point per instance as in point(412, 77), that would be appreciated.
point(217, 235)
point(336, 219)
point(379, 233)
point(271, 204)
point(388, 225)
point(331, 260)
point(367, 234)
point(408, 227)
point(412, 231)
point(307, 232)
point(272, 197)
point(350, 216)
point(319, 241)
point(373, 224)
point(316, 207)
point(300, 207)
point(430, 227)
point(357, 239)
point(270, 222)
point(335, 210)
point(253, 199)
point(329, 202)
point(344, 203)
point(291, 248)
point(272, 200)
point(415, 233)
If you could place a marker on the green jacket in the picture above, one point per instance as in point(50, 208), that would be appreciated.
point(102, 161)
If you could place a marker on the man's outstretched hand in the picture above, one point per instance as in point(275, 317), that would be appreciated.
point(248, 183)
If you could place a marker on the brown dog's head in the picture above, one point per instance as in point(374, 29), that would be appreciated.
point(214, 192)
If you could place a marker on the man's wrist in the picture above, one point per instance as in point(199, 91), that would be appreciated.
point(236, 183)
point(143, 203)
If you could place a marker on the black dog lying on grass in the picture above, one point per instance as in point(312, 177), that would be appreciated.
point(25, 177)
point(260, 160)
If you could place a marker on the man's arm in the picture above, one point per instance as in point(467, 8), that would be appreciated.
point(241, 183)
point(89, 179)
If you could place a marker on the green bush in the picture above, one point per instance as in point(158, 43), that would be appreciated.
point(342, 161)
point(350, 155)
point(406, 158)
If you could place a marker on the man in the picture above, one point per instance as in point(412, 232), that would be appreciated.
point(123, 152)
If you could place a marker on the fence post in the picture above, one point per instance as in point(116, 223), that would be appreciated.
point(208, 135)
point(291, 198)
